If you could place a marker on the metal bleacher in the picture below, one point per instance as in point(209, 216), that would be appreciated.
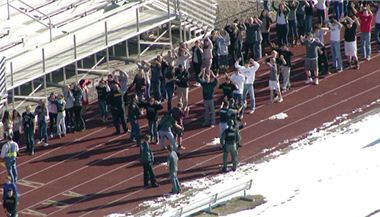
point(39, 37)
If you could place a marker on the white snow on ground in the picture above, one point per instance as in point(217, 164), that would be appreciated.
point(279, 116)
point(334, 171)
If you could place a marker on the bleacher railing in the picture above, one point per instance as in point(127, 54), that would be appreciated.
point(211, 201)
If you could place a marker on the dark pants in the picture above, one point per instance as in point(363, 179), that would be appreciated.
point(248, 50)
point(169, 94)
point(156, 88)
point(197, 68)
point(29, 135)
point(78, 117)
point(301, 24)
point(53, 122)
point(377, 34)
point(42, 131)
point(282, 34)
point(119, 119)
point(215, 63)
point(70, 121)
point(266, 39)
point(148, 174)
point(323, 64)
point(293, 34)
point(338, 10)
point(321, 14)
point(347, 8)
point(16, 137)
point(135, 132)
point(163, 88)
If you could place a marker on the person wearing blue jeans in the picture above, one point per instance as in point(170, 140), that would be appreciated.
point(9, 154)
point(41, 113)
point(249, 71)
point(338, 9)
point(366, 17)
point(133, 115)
point(165, 132)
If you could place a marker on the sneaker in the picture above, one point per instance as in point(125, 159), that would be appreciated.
point(224, 170)
point(316, 81)
point(251, 111)
point(46, 145)
point(197, 84)
point(340, 70)
point(357, 66)
point(51, 135)
point(32, 152)
point(281, 99)
point(212, 125)
point(368, 58)
point(308, 81)
point(155, 185)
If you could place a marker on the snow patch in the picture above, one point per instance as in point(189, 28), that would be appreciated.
point(279, 116)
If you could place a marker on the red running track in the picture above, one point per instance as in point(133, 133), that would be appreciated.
point(94, 173)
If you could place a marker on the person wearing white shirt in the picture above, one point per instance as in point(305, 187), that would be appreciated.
point(9, 153)
point(238, 79)
point(335, 28)
point(249, 70)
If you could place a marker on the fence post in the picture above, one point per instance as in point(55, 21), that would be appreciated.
point(44, 70)
point(107, 50)
point(75, 57)
point(8, 10)
point(12, 83)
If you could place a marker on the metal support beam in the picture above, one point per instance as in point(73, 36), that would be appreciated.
point(170, 35)
point(8, 11)
point(154, 42)
point(75, 57)
point(95, 58)
point(107, 50)
point(64, 75)
point(126, 49)
point(12, 83)
point(138, 36)
point(44, 70)
point(51, 76)
point(32, 84)
point(113, 51)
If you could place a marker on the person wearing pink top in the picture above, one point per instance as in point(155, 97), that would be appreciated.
point(366, 17)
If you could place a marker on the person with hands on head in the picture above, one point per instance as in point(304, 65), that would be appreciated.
point(365, 16)
point(208, 82)
point(312, 45)
point(274, 85)
point(350, 47)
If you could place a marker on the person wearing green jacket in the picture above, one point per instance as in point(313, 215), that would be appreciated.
point(147, 159)
point(173, 169)
point(229, 140)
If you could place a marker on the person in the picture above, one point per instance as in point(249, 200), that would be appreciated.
point(179, 115)
point(170, 83)
point(249, 71)
point(350, 49)
point(61, 125)
point(101, 90)
point(7, 122)
point(122, 79)
point(321, 11)
point(182, 82)
point(281, 23)
point(323, 65)
point(165, 125)
point(145, 73)
point(301, 18)
point(133, 118)
point(227, 113)
point(377, 25)
point(312, 45)
point(197, 52)
point(10, 203)
point(9, 153)
point(69, 108)
point(274, 86)
point(285, 68)
point(309, 7)
point(229, 141)
point(28, 123)
point(173, 170)
point(253, 38)
point(41, 113)
point(83, 84)
point(265, 27)
point(78, 114)
point(208, 81)
point(147, 160)
point(365, 17)
point(52, 108)
point(235, 32)
point(138, 84)
point(238, 79)
point(17, 122)
point(227, 87)
point(292, 18)
point(9, 184)
point(152, 107)
point(335, 27)
point(116, 102)
point(223, 41)
point(155, 79)
point(207, 56)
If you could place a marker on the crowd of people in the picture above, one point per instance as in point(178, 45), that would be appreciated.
point(242, 46)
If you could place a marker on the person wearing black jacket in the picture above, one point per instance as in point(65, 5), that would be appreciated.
point(152, 107)
point(79, 121)
point(208, 81)
point(10, 203)
point(116, 103)
point(147, 160)
point(182, 82)
point(133, 116)
point(197, 53)
point(102, 99)
point(228, 88)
